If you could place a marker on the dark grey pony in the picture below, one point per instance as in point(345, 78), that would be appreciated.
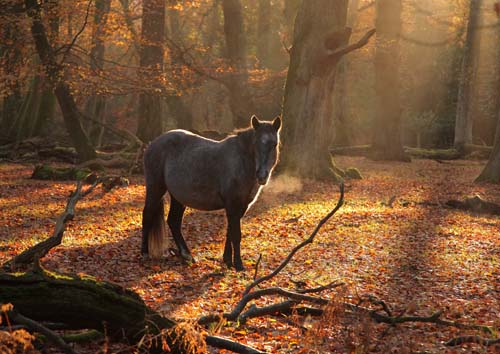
point(208, 175)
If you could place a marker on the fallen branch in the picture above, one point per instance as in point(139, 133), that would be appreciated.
point(235, 347)
point(304, 243)
point(472, 339)
point(475, 204)
point(37, 327)
point(247, 296)
point(42, 248)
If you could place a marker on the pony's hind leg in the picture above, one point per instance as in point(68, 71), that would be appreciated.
point(153, 221)
point(174, 221)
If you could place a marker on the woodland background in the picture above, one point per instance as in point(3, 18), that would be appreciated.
point(409, 90)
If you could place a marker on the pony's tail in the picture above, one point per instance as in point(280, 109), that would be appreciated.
point(157, 232)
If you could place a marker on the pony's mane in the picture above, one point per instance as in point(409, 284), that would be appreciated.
point(244, 135)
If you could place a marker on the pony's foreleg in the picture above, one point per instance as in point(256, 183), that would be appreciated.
point(153, 224)
point(174, 221)
point(234, 236)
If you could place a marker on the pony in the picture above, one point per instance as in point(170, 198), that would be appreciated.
point(205, 174)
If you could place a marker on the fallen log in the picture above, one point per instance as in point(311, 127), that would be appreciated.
point(475, 204)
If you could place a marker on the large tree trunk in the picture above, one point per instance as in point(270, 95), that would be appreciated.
point(464, 120)
point(264, 34)
point(308, 101)
point(96, 104)
point(240, 99)
point(491, 172)
point(290, 9)
point(9, 57)
point(150, 120)
point(343, 127)
point(69, 110)
point(386, 130)
point(180, 112)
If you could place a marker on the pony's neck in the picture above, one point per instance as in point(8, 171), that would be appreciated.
point(246, 139)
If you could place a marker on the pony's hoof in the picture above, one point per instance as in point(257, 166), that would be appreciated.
point(145, 257)
point(188, 258)
point(239, 267)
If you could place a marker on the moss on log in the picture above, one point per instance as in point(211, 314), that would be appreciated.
point(45, 172)
point(85, 303)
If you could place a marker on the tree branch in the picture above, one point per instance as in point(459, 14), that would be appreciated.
point(309, 240)
point(37, 327)
point(472, 339)
point(339, 53)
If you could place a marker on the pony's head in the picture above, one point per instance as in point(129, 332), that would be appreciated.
point(267, 136)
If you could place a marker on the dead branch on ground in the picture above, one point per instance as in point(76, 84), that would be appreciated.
point(42, 248)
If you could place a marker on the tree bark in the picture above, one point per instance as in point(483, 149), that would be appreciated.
point(386, 130)
point(180, 112)
point(343, 133)
point(464, 119)
point(308, 100)
point(491, 172)
point(53, 70)
point(96, 104)
point(240, 98)
point(150, 120)
point(290, 9)
point(10, 56)
point(264, 33)
point(84, 303)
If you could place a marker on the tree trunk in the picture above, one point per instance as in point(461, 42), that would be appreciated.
point(264, 34)
point(291, 7)
point(10, 56)
point(343, 134)
point(181, 114)
point(308, 101)
point(96, 104)
point(386, 130)
point(464, 120)
point(240, 99)
point(69, 110)
point(491, 172)
point(150, 120)
point(84, 303)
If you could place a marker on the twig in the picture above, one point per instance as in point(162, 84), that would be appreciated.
point(37, 327)
point(321, 288)
point(73, 41)
point(472, 339)
point(309, 240)
point(257, 266)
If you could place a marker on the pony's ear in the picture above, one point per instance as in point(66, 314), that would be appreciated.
point(277, 123)
point(255, 121)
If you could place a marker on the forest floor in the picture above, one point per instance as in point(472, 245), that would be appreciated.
point(417, 255)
